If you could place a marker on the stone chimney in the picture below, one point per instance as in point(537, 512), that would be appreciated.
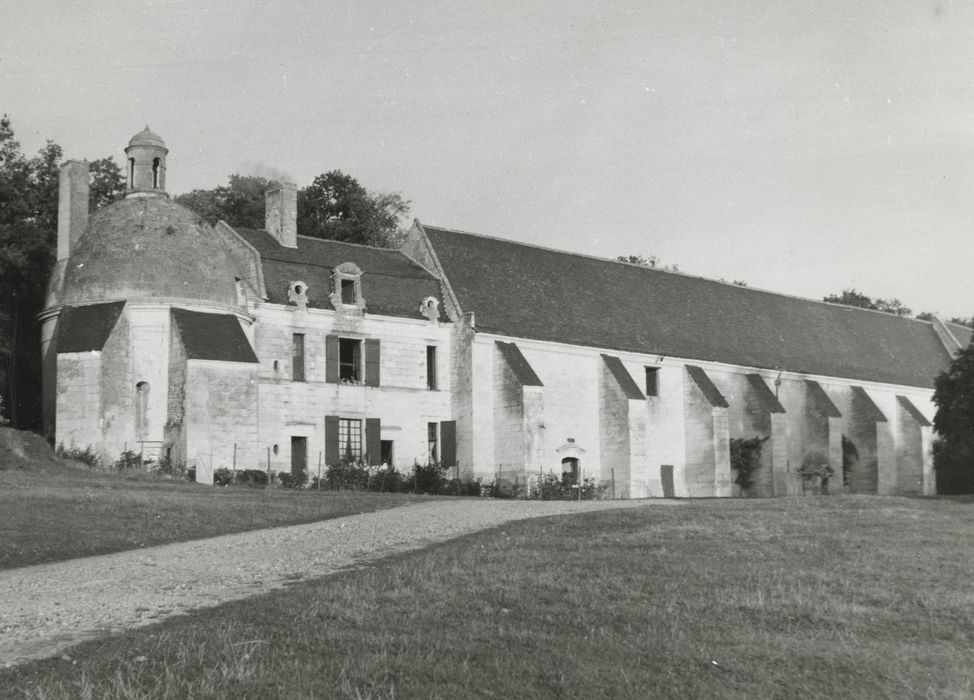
point(281, 213)
point(72, 214)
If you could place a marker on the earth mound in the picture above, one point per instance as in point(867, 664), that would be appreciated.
point(21, 449)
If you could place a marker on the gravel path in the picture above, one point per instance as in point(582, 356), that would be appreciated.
point(46, 608)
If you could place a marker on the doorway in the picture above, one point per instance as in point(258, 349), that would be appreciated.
point(385, 448)
point(569, 471)
point(299, 457)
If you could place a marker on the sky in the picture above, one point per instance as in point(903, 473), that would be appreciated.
point(804, 147)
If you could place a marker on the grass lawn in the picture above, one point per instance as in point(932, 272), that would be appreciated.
point(74, 513)
point(858, 597)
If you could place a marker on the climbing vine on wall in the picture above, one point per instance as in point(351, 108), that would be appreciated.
point(745, 457)
point(850, 457)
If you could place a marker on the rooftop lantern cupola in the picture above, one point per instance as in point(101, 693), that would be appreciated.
point(146, 156)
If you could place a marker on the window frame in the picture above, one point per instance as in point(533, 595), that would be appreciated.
point(651, 384)
point(298, 354)
point(350, 438)
point(432, 378)
point(432, 442)
point(357, 374)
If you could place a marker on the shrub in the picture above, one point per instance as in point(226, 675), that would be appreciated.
point(293, 481)
point(252, 477)
point(127, 461)
point(191, 474)
point(167, 467)
point(552, 487)
point(429, 478)
point(222, 477)
point(85, 456)
point(815, 468)
point(346, 476)
point(745, 458)
point(850, 458)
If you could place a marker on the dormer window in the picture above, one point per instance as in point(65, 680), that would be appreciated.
point(347, 292)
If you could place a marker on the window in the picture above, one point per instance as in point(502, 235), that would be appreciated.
point(141, 409)
point(297, 357)
point(348, 291)
point(386, 450)
point(652, 381)
point(155, 173)
point(431, 367)
point(131, 173)
point(569, 471)
point(350, 360)
point(350, 439)
point(432, 435)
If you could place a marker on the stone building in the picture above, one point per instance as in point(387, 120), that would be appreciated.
point(232, 347)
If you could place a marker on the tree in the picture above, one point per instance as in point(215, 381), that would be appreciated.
point(969, 322)
point(28, 241)
point(337, 207)
point(334, 206)
point(652, 261)
point(107, 183)
point(954, 421)
point(853, 297)
point(240, 203)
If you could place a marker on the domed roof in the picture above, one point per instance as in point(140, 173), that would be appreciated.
point(147, 138)
point(148, 247)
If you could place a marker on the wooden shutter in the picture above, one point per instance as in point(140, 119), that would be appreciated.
point(373, 444)
point(331, 440)
point(372, 362)
point(448, 441)
point(331, 362)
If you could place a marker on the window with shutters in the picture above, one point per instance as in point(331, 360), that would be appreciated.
point(350, 439)
point(350, 360)
point(432, 436)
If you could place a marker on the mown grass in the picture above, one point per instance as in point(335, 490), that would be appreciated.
point(76, 513)
point(852, 597)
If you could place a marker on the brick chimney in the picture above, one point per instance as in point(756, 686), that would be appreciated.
point(281, 213)
point(72, 213)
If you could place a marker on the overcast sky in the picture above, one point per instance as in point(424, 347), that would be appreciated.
point(804, 147)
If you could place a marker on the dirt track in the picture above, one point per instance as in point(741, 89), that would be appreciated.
point(47, 608)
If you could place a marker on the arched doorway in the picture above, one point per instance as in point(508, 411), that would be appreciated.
point(569, 471)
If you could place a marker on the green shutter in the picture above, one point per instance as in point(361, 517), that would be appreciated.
point(448, 440)
point(373, 445)
point(331, 440)
point(331, 362)
point(372, 362)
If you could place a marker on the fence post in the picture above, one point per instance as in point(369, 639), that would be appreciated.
point(319, 470)
point(268, 466)
point(613, 470)
point(234, 460)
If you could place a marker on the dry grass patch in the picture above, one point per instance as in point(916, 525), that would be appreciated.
point(841, 597)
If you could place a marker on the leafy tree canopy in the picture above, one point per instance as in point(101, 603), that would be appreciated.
point(651, 261)
point(853, 297)
point(334, 206)
point(954, 420)
point(28, 241)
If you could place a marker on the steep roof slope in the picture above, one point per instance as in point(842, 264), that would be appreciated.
point(962, 333)
point(392, 284)
point(525, 291)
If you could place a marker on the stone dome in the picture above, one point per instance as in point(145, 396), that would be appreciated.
point(146, 247)
point(147, 138)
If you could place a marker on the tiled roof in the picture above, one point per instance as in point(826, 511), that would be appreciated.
point(531, 292)
point(868, 407)
point(523, 371)
point(764, 394)
point(821, 400)
point(625, 381)
point(962, 333)
point(392, 284)
point(920, 419)
point(707, 386)
point(85, 328)
point(213, 337)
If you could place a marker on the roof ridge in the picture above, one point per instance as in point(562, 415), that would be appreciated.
point(745, 288)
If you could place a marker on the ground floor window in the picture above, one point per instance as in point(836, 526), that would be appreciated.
point(385, 447)
point(350, 439)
